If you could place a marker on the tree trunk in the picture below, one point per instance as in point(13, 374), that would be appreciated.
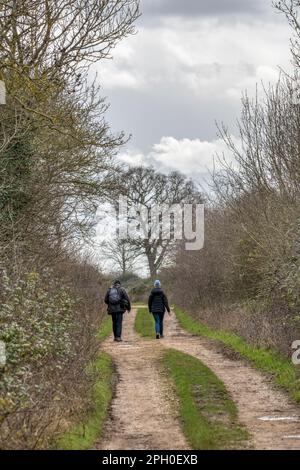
point(152, 266)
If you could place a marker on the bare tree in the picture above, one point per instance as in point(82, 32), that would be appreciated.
point(56, 147)
point(290, 8)
point(147, 189)
point(46, 42)
point(122, 253)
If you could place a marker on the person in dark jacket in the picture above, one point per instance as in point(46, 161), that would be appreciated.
point(158, 304)
point(118, 303)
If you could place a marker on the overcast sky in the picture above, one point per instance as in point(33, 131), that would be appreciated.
point(186, 68)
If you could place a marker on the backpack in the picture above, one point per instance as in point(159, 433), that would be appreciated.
point(114, 297)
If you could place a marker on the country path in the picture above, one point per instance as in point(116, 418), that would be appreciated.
point(143, 412)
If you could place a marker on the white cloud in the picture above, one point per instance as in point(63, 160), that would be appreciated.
point(132, 158)
point(201, 55)
point(120, 72)
point(179, 75)
point(114, 78)
point(192, 157)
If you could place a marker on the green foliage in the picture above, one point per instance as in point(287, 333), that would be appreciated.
point(16, 166)
point(207, 411)
point(35, 324)
point(140, 291)
point(245, 278)
point(282, 370)
point(129, 279)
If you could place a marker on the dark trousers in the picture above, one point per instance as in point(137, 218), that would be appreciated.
point(117, 319)
point(159, 323)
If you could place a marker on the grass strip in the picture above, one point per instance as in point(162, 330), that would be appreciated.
point(283, 371)
point(83, 435)
point(144, 323)
point(105, 329)
point(208, 414)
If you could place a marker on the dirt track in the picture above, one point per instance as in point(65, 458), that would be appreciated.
point(143, 413)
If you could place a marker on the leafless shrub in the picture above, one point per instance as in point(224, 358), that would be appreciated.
point(246, 278)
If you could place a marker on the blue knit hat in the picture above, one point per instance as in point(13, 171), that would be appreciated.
point(157, 283)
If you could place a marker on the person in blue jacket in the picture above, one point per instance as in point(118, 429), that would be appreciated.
point(158, 304)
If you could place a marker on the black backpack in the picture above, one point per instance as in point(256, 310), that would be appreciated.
point(114, 297)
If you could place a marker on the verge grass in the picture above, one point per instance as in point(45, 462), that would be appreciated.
point(208, 414)
point(144, 323)
point(82, 436)
point(284, 372)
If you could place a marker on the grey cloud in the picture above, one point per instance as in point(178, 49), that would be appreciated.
point(204, 7)
point(169, 111)
point(167, 105)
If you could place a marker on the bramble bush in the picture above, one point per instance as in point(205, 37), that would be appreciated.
point(35, 324)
